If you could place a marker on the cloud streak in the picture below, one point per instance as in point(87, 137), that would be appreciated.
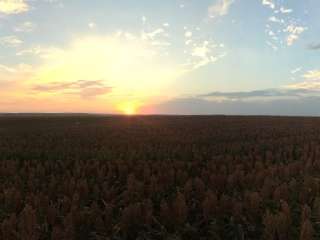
point(10, 41)
point(265, 93)
point(84, 88)
point(25, 27)
point(314, 46)
point(13, 6)
point(308, 106)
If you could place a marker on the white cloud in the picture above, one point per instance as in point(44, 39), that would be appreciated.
point(285, 10)
point(157, 37)
point(10, 41)
point(272, 45)
point(275, 19)
point(25, 27)
point(269, 3)
point(296, 70)
point(4, 68)
point(311, 81)
point(144, 19)
point(312, 75)
point(219, 8)
point(92, 25)
point(188, 34)
point(204, 53)
point(294, 33)
point(188, 42)
point(42, 52)
point(282, 27)
point(14, 73)
point(13, 6)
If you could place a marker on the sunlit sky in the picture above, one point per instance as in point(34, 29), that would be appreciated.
point(160, 57)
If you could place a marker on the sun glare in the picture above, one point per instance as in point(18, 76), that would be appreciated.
point(129, 108)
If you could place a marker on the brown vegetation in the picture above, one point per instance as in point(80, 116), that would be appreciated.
point(86, 177)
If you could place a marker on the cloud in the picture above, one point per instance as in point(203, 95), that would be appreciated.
point(134, 66)
point(296, 70)
point(139, 65)
point(84, 88)
point(92, 25)
point(56, 3)
point(157, 37)
point(295, 99)
point(285, 10)
point(308, 106)
point(283, 28)
point(311, 81)
point(188, 34)
point(264, 94)
point(314, 46)
point(275, 19)
point(144, 20)
point(10, 41)
point(42, 52)
point(269, 3)
point(312, 75)
point(14, 73)
point(13, 6)
point(294, 33)
point(25, 27)
point(201, 52)
point(219, 8)
point(4, 68)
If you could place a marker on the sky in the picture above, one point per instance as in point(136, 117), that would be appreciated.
point(251, 57)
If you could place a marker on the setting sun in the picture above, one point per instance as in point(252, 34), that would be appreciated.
point(164, 118)
point(130, 108)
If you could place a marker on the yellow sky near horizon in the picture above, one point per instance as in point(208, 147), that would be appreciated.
point(118, 73)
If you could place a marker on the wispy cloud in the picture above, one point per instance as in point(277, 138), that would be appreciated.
point(269, 3)
point(200, 51)
point(10, 41)
point(312, 75)
point(302, 99)
point(285, 10)
point(84, 88)
point(314, 46)
point(25, 27)
point(13, 6)
point(4, 68)
point(308, 106)
point(219, 8)
point(11, 73)
point(294, 32)
point(42, 52)
point(311, 81)
point(92, 25)
point(296, 70)
point(204, 53)
point(283, 27)
point(264, 93)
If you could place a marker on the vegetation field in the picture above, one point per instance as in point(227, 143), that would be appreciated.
point(159, 177)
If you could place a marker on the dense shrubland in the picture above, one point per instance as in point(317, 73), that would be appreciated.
point(91, 177)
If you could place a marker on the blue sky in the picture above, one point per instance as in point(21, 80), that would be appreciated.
point(160, 56)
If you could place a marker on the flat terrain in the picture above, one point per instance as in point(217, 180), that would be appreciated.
point(159, 177)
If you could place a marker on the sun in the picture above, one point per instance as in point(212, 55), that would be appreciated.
point(129, 108)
